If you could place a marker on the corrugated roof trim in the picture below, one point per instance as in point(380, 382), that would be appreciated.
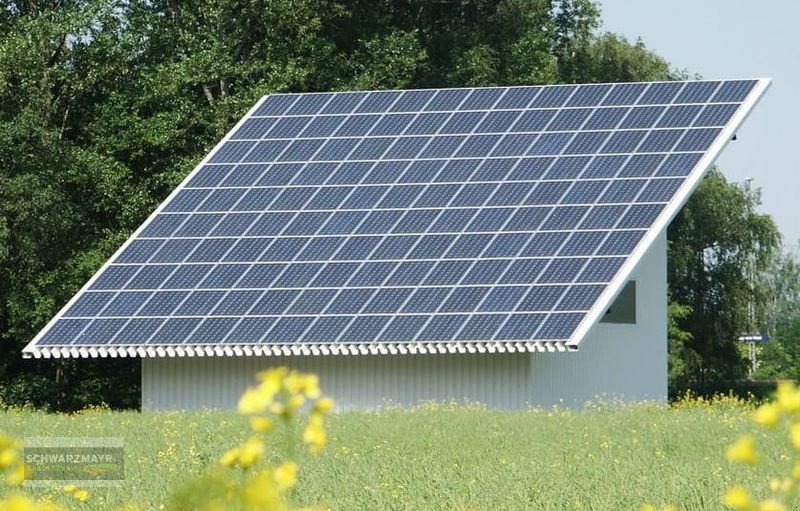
point(304, 349)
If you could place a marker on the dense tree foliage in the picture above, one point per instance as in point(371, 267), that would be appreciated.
point(106, 105)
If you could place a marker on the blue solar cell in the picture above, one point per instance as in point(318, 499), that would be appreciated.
point(659, 190)
point(677, 116)
point(327, 329)
point(320, 249)
point(477, 146)
point(520, 327)
point(343, 102)
point(288, 329)
point(378, 101)
point(518, 97)
point(308, 104)
point(447, 99)
point(660, 93)
point(265, 151)
point(416, 220)
point(334, 274)
point(114, 277)
point(198, 225)
point(462, 122)
point(605, 118)
point(580, 298)
point(564, 218)
point(698, 139)
point(641, 165)
point(174, 331)
point(277, 104)
point(269, 224)
point(137, 331)
point(211, 250)
point(426, 124)
point(232, 152)
point(498, 121)
point(151, 277)
point(274, 302)
point(329, 197)
point(447, 273)
point(604, 166)
point(554, 96)
point(403, 328)
point(523, 271)
point(490, 219)
point(421, 171)
point(570, 119)
point(89, 304)
point(697, 92)
point(431, 247)
point(349, 173)
point(400, 196)
point(392, 124)
point(621, 243)
point(550, 143)
point(163, 303)
point(186, 200)
point(284, 249)
point(679, 164)
point(589, 95)
point(199, 303)
point(500, 299)
point(394, 247)
point(442, 146)
point(292, 198)
point(371, 148)
point(482, 99)
point(365, 197)
point(548, 192)
point(453, 170)
point(469, 245)
point(336, 149)
point(559, 326)
point(343, 222)
point(442, 328)
point(585, 192)
point(514, 145)
point(379, 222)
point(279, 174)
point(187, 276)
point(453, 220)
point(372, 273)
point(640, 216)
point(715, 115)
point(409, 273)
point(306, 223)
point(288, 127)
point(562, 270)
point(162, 226)
point(212, 330)
point(733, 91)
point(642, 117)
point(301, 150)
point(526, 219)
point(586, 142)
point(234, 224)
point(350, 301)
point(247, 250)
point(250, 330)
point(510, 194)
point(582, 243)
point(601, 269)
point(298, 275)
point(260, 276)
point(464, 299)
point(312, 301)
point(236, 303)
point(254, 128)
point(481, 327)
point(624, 94)
point(506, 245)
point(406, 148)
point(495, 169)
point(101, 331)
point(387, 300)
point(385, 172)
point(603, 217)
point(529, 169)
point(223, 276)
point(472, 195)
point(567, 167)
point(412, 101)
point(660, 141)
point(533, 120)
point(623, 141)
point(544, 244)
point(209, 175)
point(323, 126)
point(622, 190)
point(432, 196)
point(541, 298)
point(357, 248)
point(485, 271)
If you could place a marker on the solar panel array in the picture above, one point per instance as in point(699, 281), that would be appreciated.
point(419, 216)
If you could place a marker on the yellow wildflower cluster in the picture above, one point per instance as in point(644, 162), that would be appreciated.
point(13, 472)
point(784, 409)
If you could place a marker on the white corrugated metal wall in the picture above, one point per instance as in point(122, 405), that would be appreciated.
point(622, 361)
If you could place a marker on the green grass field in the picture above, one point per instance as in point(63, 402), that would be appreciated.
point(608, 458)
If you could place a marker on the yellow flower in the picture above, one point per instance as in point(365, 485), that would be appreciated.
point(81, 495)
point(251, 451)
point(743, 450)
point(324, 405)
point(794, 434)
point(295, 403)
point(260, 493)
point(737, 498)
point(311, 386)
point(260, 424)
point(17, 475)
point(314, 434)
point(286, 475)
point(788, 396)
point(8, 457)
point(70, 488)
point(771, 505)
point(796, 471)
point(648, 507)
point(253, 401)
point(768, 415)
point(230, 458)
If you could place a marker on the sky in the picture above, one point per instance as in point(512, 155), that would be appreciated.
point(728, 39)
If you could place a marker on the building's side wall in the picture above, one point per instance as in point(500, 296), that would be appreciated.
point(616, 361)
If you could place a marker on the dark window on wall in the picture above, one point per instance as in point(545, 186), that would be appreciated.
point(623, 309)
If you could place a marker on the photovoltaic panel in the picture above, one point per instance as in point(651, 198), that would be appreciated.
point(421, 220)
